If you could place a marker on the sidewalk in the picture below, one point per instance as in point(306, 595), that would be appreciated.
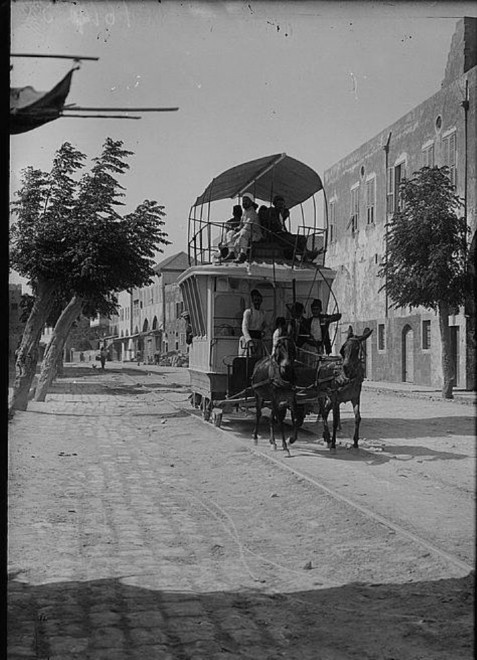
point(419, 391)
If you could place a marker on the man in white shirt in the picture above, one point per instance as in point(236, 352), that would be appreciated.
point(254, 327)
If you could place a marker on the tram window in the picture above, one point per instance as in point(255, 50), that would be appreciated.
point(228, 315)
point(191, 294)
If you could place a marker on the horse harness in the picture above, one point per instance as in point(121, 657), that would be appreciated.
point(274, 376)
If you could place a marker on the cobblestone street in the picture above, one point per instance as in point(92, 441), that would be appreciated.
point(136, 531)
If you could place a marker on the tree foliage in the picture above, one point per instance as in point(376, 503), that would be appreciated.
point(72, 243)
point(426, 243)
point(70, 232)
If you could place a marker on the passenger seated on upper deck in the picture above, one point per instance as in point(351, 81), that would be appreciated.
point(278, 214)
point(249, 230)
point(276, 228)
point(226, 246)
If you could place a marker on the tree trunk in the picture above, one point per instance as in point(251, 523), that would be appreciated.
point(59, 370)
point(54, 352)
point(448, 375)
point(27, 356)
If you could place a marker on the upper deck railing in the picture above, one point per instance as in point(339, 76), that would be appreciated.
point(306, 245)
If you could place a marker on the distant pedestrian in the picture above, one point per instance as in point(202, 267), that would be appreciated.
point(138, 358)
point(103, 355)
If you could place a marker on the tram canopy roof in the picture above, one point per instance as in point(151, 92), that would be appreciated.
point(264, 178)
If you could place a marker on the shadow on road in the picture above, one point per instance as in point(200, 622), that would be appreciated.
point(398, 453)
point(131, 616)
point(383, 428)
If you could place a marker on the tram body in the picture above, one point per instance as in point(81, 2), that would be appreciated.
point(216, 292)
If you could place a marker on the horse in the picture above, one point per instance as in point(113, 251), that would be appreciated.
point(340, 382)
point(273, 379)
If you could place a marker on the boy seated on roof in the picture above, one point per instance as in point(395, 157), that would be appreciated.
point(226, 245)
point(275, 225)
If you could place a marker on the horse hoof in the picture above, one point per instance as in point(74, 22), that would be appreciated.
point(291, 440)
point(332, 450)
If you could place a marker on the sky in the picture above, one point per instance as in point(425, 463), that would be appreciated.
point(312, 79)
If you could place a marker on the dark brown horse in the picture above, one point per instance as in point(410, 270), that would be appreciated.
point(340, 382)
point(273, 380)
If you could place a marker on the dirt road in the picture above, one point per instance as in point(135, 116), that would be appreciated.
point(137, 530)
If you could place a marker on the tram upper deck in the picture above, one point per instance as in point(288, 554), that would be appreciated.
point(264, 178)
point(216, 293)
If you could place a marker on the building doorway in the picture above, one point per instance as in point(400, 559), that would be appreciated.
point(455, 353)
point(407, 354)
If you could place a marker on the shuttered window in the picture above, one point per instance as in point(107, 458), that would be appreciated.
point(428, 156)
point(426, 335)
point(370, 200)
point(450, 159)
point(353, 223)
point(331, 222)
point(390, 191)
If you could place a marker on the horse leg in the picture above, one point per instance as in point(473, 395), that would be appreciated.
point(336, 420)
point(293, 413)
point(324, 412)
point(273, 416)
point(258, 414)
point(276, 416)
point(357, 420)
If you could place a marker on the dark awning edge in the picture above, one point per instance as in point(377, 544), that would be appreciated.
point(264, 178)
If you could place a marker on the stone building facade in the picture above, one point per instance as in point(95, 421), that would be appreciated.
point(148, 319)
point(362, 191)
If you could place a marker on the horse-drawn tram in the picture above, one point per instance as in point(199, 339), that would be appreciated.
point(283, 261)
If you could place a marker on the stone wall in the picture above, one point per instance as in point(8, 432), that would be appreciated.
point(356, 250)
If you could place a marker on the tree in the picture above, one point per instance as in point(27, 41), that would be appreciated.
point(71, 238)
point(37, 247)
point(426, 250)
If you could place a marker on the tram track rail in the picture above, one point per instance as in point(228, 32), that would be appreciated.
point(367, 512)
